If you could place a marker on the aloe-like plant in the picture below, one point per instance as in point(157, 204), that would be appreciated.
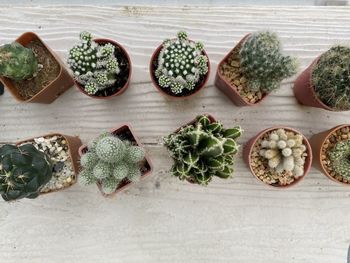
point(24, 170)
point(202, 150)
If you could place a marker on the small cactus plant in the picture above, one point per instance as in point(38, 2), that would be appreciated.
point(109, 160)
point(285, 152)
point(331, 78)
point(262, 63)
point(24, 171)
point(340, 159)
point(94, 66)
point(17, 62)
point(181, 64)
point(202, 150)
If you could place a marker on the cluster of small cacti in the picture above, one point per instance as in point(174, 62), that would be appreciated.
point(340, 159)
point(285, 152)
point(17, 62)
point(94, 66)
point(109, 160)
point(203, 150)
point(181, 63)
point(262, 63)
point(24, 171)
point(331, 78)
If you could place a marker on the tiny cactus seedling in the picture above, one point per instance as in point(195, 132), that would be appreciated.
point(285, 152)
point(24, 171)
point(203, 150)
point(331, 78)
point(110, 160)
point(262, 63)
point(340, 159)
point(94, 66)
point(17, 62)
point(181, 64)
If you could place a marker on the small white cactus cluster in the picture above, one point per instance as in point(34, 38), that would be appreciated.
point(285, 152)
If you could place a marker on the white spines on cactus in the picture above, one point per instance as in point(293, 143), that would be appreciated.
point(109, 185)
point(110, 149)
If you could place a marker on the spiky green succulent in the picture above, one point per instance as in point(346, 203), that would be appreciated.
point(24, 170)
point(181, 63)
point(331, 78)
point(17, 62)
point(94, 65)
point(339, 156)
point(109, 160)
point(262, 63)
point(202, 150)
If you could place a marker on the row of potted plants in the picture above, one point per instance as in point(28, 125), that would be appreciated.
point(201, 149)
point(179, 68)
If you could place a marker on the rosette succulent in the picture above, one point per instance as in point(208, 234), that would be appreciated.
point(202, 150)
point(24, 170)
point(110, 160)
point(181, 64)
point(94, 65)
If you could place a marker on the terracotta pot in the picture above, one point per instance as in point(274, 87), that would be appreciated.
point(124, 183)
point(152, 65)
point(73, 143)
point(304, 90)
point(126, 85)
point(53, 90)
point(229, 89)
point(317, 142)
point(248, 148)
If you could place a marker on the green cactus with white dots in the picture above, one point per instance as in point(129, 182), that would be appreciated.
point(109, 160)
point(340, 159)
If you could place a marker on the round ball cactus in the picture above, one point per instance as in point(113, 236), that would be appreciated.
point(110, 149)
point(24, 170)
point(340, 159)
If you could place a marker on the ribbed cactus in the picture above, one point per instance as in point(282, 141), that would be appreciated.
point(331, 78)
point(17, 62)
point(181, 63)
point(340, 159)
point(24, 170)
point(203, 150)
point(94, 66)
point(262, 63)
point(285, 152)
point(109, 160)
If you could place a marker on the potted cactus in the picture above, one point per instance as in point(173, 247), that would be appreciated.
point(101, 67)
point(278, 156)
point(331, 149)
point(179, 67)
point(326, 82)
point(254, 68)
point(31, 71)
point(113, 161)
point(203, 149)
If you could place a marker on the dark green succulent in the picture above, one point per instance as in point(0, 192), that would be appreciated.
point(203, 150)
point(24, 170)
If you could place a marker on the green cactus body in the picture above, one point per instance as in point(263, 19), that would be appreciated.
point(203, 150)
point(94, 66)
point(340, 159)
point(24, 170)
point(181, 64)
point(17, 62)
point(331, 78)
point(109, 161)
point(263, 64)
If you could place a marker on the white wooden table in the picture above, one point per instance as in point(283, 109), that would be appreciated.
point(162, 219)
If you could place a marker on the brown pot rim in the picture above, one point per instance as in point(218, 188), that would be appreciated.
point(232, 86)
point(126, 85)
point(151, 71)
point(84, 148)
point(308, 160)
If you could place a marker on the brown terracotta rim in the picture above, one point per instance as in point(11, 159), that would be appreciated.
point(308, 160)
point(120, 91)
point(155, 83)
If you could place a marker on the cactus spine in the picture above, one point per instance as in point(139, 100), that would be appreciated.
point(340, 159)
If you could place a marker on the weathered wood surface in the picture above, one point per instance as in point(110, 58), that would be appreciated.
point(162, 219)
